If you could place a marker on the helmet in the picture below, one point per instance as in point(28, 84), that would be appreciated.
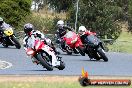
point(82, 30)
point(60, 22)
point(28, 28)
point(1, 21)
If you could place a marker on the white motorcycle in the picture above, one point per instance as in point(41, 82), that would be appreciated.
point(44, 55)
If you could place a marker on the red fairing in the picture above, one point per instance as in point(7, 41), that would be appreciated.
point(69, 39)
point(79, 42)
point(30, 51)
point(38, 44)
point(64, 38)
point(73, 41)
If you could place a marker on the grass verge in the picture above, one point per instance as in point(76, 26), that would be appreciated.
point(123, 43)
point(50, 82)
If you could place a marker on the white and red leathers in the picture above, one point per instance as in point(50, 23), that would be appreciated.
point(36, 34)
point(28, 42)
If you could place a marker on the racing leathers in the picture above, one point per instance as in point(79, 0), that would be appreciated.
point(27, 42)
point(85, 35)
point(82, 37)
point(61, 31)
point(41, 36)
point(2, 27)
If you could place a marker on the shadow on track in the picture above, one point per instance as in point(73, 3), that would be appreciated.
point(37, 70)
point(93, 60)
point(8, 47)
point(71, 55)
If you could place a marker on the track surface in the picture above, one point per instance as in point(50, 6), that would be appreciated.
point(119, 64)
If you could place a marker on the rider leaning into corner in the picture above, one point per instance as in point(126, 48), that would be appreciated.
point(2, 26)
point(83, 33)
point(29, 32)
point(61, 31)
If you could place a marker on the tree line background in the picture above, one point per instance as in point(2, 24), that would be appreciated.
point(101, 16)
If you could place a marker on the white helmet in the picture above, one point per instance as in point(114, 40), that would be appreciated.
point(60, 22)
point(82, 30)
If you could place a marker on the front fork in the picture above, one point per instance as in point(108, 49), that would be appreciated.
point(81, 50)
point(102, 46)
point(10, 38)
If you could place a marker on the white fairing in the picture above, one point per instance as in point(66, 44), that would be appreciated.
point(47, 49)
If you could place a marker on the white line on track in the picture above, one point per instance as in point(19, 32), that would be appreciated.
point(5, 64)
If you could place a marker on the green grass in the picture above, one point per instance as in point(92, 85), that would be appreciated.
point(123, 43)
point(51, 85)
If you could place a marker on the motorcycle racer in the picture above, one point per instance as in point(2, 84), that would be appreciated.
point(30, 32)
point(83, 32)
point(61, 31)
point(2, 26)
point(93, 46)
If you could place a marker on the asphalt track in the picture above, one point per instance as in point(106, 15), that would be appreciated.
point(119, 64)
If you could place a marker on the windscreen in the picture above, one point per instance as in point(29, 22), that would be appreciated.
point(69, 34)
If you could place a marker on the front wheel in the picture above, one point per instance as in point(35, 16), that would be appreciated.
point(68, 50)
point(81, 51)
point(62, 65)
point(44, 62)
point(17, 44)
point(102, 54)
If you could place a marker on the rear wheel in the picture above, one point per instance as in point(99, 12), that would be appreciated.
point(44, 61)
point(102, 54)
point(4, 43)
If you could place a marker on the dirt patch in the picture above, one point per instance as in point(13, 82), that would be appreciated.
point(36, 78)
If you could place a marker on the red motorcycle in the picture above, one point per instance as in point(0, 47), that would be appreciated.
point(44, 55)
point(73, 43)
